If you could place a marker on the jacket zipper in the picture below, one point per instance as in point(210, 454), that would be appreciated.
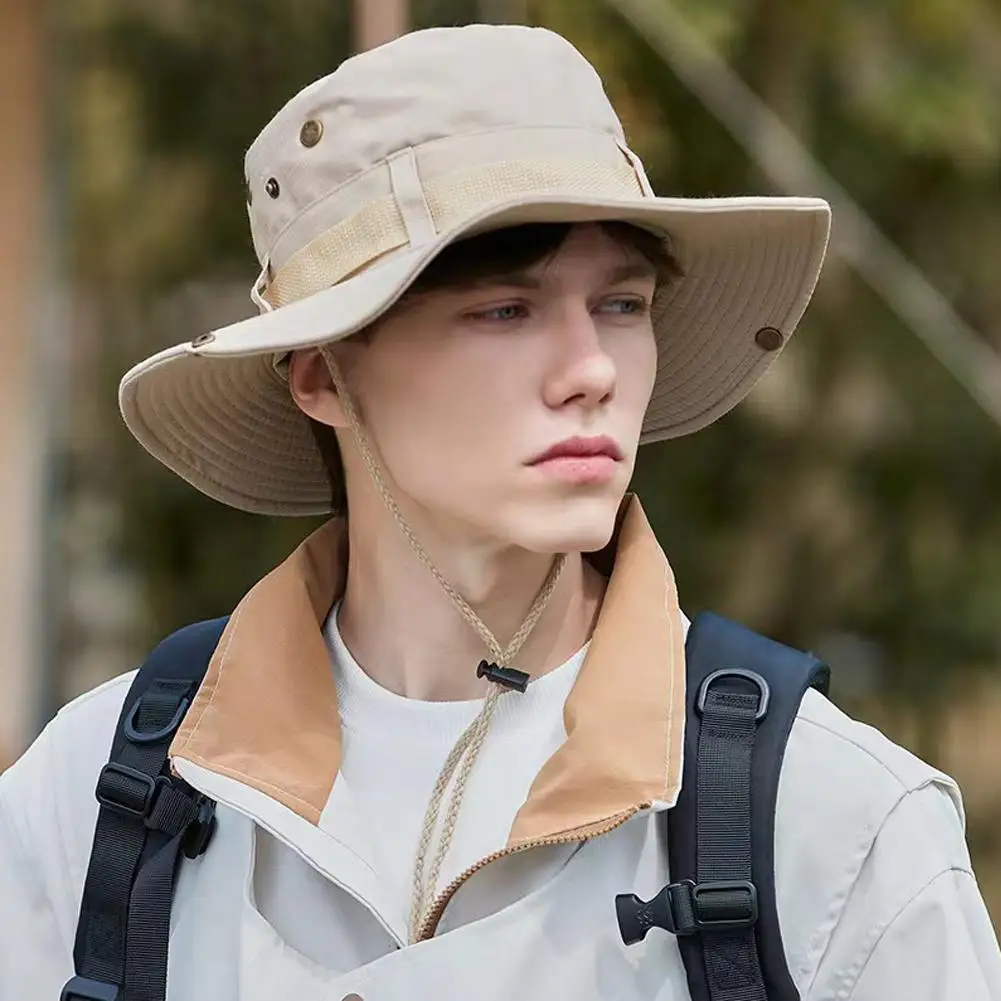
point(432, 919)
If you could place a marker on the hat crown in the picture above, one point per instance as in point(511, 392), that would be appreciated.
point(424, 86)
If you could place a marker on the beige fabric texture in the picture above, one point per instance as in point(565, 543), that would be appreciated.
point(436, 136)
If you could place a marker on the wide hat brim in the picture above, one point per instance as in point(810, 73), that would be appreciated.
point(218, 411)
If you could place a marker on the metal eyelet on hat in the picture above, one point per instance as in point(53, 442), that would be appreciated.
point(202, 339)
point(769, 339)
point(310, 133)
point(273, 188)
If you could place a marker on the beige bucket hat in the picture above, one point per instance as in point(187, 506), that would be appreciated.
point(363, 177)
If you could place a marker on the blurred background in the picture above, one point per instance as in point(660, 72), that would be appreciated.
point(851, 506)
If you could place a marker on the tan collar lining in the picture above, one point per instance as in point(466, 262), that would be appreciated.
point(266, 713)
point(625, 715)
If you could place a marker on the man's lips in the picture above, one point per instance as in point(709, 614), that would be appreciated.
point(580, 447)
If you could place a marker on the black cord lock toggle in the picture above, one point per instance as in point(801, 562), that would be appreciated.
point(506, 676)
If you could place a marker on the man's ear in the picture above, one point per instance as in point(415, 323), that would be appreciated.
point(313, 389)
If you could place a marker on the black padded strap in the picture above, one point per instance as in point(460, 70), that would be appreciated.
point(129, 790)
point(744, 692)
point(726, 746)
point(147, 818)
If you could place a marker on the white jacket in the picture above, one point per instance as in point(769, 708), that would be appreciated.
point(877, 900)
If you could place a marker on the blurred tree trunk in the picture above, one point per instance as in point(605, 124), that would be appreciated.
point(22, 173)
point(378, 21)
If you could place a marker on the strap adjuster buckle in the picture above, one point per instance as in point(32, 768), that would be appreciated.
point(135, 796)
point(688, 908)
point(719, 905)
point(85, 989)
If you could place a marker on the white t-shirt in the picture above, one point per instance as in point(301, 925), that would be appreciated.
point(394, 749)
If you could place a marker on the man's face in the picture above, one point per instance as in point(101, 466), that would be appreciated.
point(465, 392)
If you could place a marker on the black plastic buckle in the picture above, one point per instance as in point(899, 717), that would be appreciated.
point(85, 989)
point(199, 833)
point(738, 907)
point(764, 692)
point(688, 908)
point(139, 805)
point(153, 736)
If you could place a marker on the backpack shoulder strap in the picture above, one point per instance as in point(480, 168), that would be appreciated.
point(743, 693)
point(146, 820)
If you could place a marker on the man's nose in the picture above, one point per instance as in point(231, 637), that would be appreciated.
point(583, 372)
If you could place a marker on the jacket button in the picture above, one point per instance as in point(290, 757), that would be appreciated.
point(352, 997)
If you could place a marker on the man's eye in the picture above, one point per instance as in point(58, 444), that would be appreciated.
point(510, 311)
point(629, 306)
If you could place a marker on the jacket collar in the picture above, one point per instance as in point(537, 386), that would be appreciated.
point(266, 714)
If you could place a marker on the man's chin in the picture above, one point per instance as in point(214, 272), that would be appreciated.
point(577, 524)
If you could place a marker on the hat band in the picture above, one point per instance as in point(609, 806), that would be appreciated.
point(387, 224)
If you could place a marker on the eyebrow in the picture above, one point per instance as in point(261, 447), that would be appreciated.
point(522, 279)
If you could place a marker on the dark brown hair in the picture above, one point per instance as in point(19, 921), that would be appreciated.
point(518, 248)
point(480, 258)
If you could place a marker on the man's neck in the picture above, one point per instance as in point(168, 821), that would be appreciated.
point(408, 635)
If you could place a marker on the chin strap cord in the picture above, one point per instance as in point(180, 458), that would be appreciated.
point(463, 755)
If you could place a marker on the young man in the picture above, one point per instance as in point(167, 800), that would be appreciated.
point(474, 310)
